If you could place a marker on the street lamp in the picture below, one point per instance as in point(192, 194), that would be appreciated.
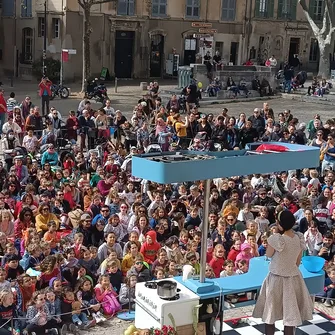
point(44, 56)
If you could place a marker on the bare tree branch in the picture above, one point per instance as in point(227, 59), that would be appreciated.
point(328, 39)
point(90, 3)
point(324, 21)
point(313, 25)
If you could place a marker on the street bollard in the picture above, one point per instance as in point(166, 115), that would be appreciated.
point(115, 85)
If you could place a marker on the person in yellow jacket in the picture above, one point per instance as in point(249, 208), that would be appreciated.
point(129, 259)
point(44, 217)
point(181, 130)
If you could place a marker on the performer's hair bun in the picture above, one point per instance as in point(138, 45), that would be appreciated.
point(286, 220)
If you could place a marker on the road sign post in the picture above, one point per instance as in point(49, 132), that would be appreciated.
point(64, 59)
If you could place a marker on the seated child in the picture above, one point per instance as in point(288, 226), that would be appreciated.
point(7, 312)
point(53, 304)
point(115, 275)
point(263, 246)
point(12, 267)
point(79, 318)
point(228, 269)
point(209, 272)
point(106, 295)
point(111, 257)
point(38, 316)
point(140, 270)
point(191, 259)
point(242, 267)
point(330, 286)
point(127, 292)
point(159, 273)
point(4, 284)
point(85, 294)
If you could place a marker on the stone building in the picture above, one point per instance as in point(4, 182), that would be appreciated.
point(137, 38)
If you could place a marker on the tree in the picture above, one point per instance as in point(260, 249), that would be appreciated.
point(86, 5)
point(323, 33)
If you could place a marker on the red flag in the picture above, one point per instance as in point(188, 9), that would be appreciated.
point(65, 56)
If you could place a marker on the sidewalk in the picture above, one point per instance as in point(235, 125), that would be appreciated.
point(301, 95)
point(125, 88)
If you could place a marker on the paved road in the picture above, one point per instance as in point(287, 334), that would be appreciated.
point(129, 92)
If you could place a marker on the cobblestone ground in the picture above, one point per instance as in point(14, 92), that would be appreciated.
point(128, 93)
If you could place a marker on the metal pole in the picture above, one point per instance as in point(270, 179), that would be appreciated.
point(45, 38)
point(61, 68)
point(115, 85)
point(15, 48)
point(203, 256)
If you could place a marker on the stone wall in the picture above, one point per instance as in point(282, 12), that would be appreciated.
point(247, 73)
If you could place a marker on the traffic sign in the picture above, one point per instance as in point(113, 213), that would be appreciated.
point(202, 35)
point(70, 51)
point(201, 25)
point(207, 31)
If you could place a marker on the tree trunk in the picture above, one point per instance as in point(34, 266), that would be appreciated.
point(86, 47)
point(324, 62)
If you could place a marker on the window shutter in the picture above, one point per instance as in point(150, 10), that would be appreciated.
point(311, 8)
point(122, 7)
point(162, 9)
point(270, 8)
point(293, 11)
point(154, 9)
point(224, 10)
point(232, 10)
point(280, 9)
point(131, 8)
point(29, 8)
point(257, 7)
point(196, 11)
point(7, 8)
point(26, 8)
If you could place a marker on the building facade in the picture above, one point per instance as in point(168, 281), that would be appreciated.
point(136, 39)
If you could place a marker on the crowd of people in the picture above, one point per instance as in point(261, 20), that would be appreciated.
point(78, 231)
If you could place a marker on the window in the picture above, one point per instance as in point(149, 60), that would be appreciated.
point(55, 28)
point(41, 27)
point(8, 8)
point(264, 8)
point(126, 7)
point(193, 8)
point(316, 9)
point(27, 45)
point(26, 8)
point(314, 50)
point(287, 9)
point(158, 8)
point(228, 10)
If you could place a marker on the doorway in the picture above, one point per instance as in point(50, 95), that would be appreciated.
point(124, 45)
point(156, 55)
point(233, 53)
point(190, 50)
point(294, 48)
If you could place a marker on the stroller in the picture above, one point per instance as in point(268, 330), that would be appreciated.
point(299, 80)
point(154, 147)
point(200, 142)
